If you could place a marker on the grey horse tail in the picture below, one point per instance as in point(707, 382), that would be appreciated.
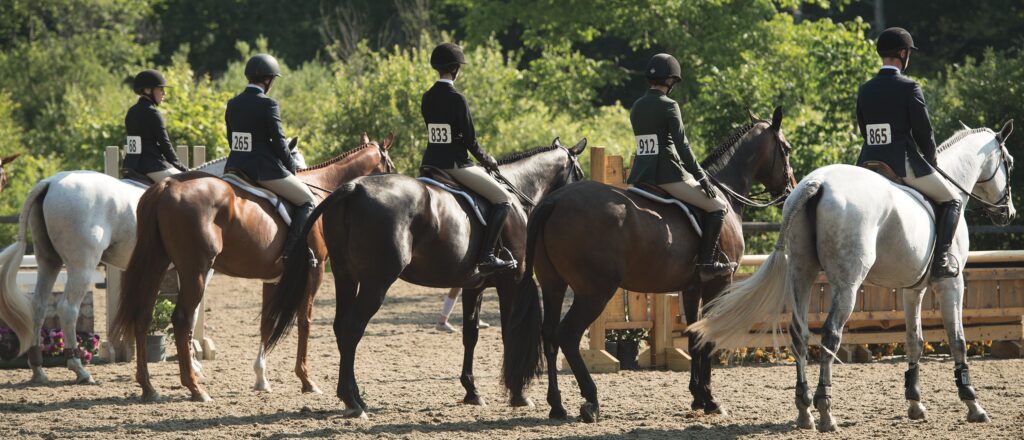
point(799, 198)
point(15, 308)
point(290, 294)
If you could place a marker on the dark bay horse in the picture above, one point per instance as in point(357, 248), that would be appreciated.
point(382, 228)
point(199, 222)
point(596, 238)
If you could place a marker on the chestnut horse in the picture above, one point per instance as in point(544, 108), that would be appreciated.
point(382, 228)
point(199, 222)
point(596, 238)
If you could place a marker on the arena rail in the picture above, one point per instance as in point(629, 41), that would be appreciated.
point(993, 307)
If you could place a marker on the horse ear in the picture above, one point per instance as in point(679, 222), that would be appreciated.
point(1005, 131)
point(557, 142)
point(388, 140)
point(579, 147)
point(9, 159)
point(965, 127)
point(293, 143)
point(777, 118)
point(753, 117)
point(365, 139)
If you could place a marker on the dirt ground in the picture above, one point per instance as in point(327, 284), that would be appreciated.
point(409, 374)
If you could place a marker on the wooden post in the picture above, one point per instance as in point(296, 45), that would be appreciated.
point(114, 351)
point(663, 353)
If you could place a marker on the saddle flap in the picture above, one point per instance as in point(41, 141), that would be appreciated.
point(884, 169)
point(440, 175)
point(240, 180)
point(130, 174)
point(653, 189)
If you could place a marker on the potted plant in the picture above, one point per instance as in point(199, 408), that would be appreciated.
point(627, 346)
point(158, 330)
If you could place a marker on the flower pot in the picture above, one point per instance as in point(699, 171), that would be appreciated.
point(612, 348)
point(627, 354)
point(155, 348)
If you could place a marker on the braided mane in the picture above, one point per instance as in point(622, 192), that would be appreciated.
point(721, 154)
point(959, 136)
point(339, 157)
point(513, 157)
point(208, 163)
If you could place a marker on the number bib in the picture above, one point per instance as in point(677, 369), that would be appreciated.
point(134, 145)
point(439, 133)
point(879, 134)
point(647, 145)
point(241, 141)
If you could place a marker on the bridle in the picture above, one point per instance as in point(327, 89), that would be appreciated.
point(575, 174)
point(1003, 204)
point(751, 201)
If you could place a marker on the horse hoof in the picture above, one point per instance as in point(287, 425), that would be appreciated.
point(521, 402)
point(39, 378)
point(978, 417)
point(201, 397)
point(311, 389)
point(697, 405)
point(85, 380)
point(151, 396)
point(827, 425)
point(715, 410)
point(262, 386)
point(474, 400)
point(805, 420)
point(558, 413)
point(355, 413)
point(589, 412)
point(916, 411)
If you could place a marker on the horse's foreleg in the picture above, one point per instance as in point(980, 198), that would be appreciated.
point(915, 347)
point(46, 277)
point(68, 308)
point(471, 301)
point(192, 284)
point(305, 320)
point(950, 292)
point(843, 298)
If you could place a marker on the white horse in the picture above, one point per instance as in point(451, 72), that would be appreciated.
point(859, 228)
point(78, 219)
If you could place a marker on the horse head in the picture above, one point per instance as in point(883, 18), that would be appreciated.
point(996, 189)
point(293, 150)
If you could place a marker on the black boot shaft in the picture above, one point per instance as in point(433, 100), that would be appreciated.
point(944, 265)
point(707, 260)
point(488, 262)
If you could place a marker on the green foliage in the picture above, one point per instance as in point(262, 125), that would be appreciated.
point(21, 174)
point(162, 311)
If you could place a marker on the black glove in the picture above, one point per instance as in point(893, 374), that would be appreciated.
point(180, 166)
point(708, 188)
point(489, 163)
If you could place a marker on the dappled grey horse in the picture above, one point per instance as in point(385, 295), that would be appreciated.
point(861, 228)
point(78, 219)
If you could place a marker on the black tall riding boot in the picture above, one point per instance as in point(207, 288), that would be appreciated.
point(944, 265)
point(707, 261)
point(299, 217)
point(489, 262)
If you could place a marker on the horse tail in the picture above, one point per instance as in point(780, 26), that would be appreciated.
point(141, 280)
point(283, 306)
point(762, 297)
point(15, 307)
point(523, 346)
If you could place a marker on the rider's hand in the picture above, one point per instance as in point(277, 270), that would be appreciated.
point(708, 188)
point(489, 163)
point(180, 166)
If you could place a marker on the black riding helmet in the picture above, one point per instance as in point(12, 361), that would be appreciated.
point(261, 66)
point(148, 79)
point(664, 66)
point(891, 41)
point(447, 55)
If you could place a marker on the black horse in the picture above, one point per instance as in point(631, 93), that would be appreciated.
point(384, 227)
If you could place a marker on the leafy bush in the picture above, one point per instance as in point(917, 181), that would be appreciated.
point(162, 311)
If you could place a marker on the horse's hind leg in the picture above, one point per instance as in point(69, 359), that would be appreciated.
point(950, 292)
point(259, 366)
point(801, 278)
point(709, 290)
point(46, 277)
point(586, 306)
point(553, 291)
point(915, 347)
point(305, 320)
point(68, 307)
point(690, 298)
point(349, 330)
point(471, 300)
point(843, 298)
point(192, 286)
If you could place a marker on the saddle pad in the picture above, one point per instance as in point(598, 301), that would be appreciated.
point(686, 209)
point(920, 199)
point(276, 202)
point(469, 198)
point(135, 183)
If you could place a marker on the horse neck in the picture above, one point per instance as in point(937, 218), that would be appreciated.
point(538, 175)
point(359, 163)
point(964, 161)
point(739, 171)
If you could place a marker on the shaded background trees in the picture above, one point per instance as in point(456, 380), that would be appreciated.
point(539, 69)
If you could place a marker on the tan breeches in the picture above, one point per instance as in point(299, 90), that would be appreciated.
point(157, 176)
point(690, 192)
point(933, 186)
point(477, 180)
point(291, 189)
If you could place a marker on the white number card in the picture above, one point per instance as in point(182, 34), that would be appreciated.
point(879, 134)
point(241, 141)
point(439, 133)
point(134, 145)
point(647, 145)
